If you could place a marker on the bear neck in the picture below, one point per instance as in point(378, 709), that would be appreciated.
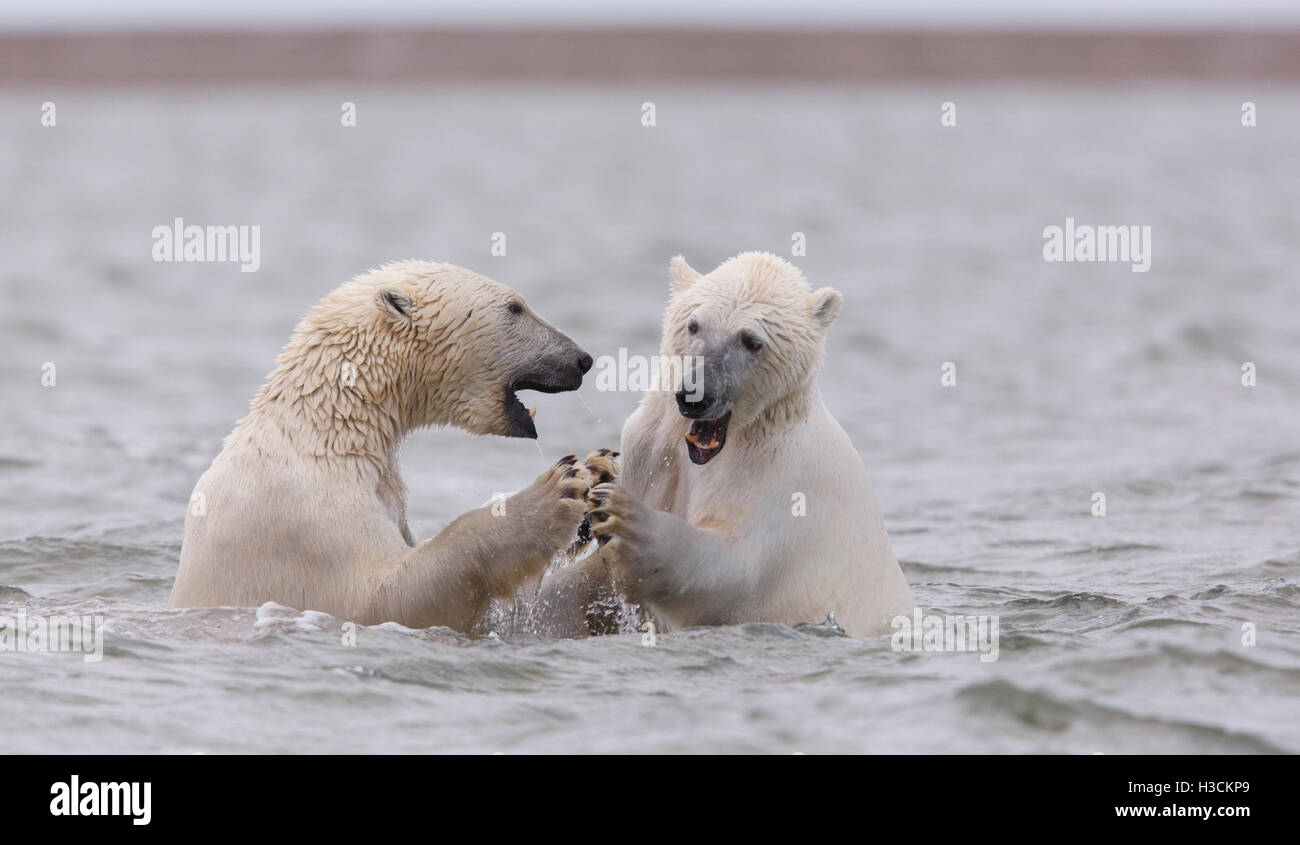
point(334, 396)
point(781, 416)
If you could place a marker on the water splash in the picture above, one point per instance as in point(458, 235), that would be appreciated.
point(588, 407)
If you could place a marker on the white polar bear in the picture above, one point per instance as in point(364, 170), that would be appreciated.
point(743, 500)
point(304, 506)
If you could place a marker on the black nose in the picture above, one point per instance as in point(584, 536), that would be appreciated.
point(693, 405)
point(584, 362)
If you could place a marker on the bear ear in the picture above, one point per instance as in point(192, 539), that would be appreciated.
point(680, 274)
point(825, 305)
point(397, 305)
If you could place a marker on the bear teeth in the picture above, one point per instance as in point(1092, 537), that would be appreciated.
point(694, 437)
point(532, 413)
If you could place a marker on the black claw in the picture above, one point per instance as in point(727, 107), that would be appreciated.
point(600, 515)
point(569, 494)
point(606, 477)
point(570, 474)
point(603, 538)
point(603, 452)
point(615, 454)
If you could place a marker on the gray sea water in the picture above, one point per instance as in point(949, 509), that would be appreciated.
point(1118, 633)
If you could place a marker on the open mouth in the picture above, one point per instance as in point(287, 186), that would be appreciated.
point(520, 417)
point(706, 438)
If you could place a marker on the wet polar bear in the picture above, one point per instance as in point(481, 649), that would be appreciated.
point(743, 500)
point(304, 505)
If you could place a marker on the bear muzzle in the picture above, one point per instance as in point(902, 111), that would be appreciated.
point(548, 375)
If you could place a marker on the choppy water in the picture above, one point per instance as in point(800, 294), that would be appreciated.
point(1120, 633)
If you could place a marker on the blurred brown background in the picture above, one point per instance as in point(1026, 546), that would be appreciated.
point(618, 55)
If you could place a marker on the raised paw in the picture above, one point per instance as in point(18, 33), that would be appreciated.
point(616, 516)
point(557, 501)
point(601, 467)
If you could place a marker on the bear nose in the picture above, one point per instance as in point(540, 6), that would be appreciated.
point(693, 405)
point(584, 362)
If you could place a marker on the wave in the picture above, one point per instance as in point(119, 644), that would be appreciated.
point(1109, 728)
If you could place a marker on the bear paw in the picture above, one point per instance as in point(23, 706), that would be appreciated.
point(616, 516)
point(558, 500)
point(603, 468)
point(601, 465)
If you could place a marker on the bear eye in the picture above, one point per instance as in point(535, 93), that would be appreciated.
point(751, 341)
point(515, 308)
point(693, 326)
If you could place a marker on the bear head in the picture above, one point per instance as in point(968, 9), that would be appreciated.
point(417, 343)
point(751, 333)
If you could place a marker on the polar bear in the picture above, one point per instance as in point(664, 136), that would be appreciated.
point(741, 499)
point(304, 506)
